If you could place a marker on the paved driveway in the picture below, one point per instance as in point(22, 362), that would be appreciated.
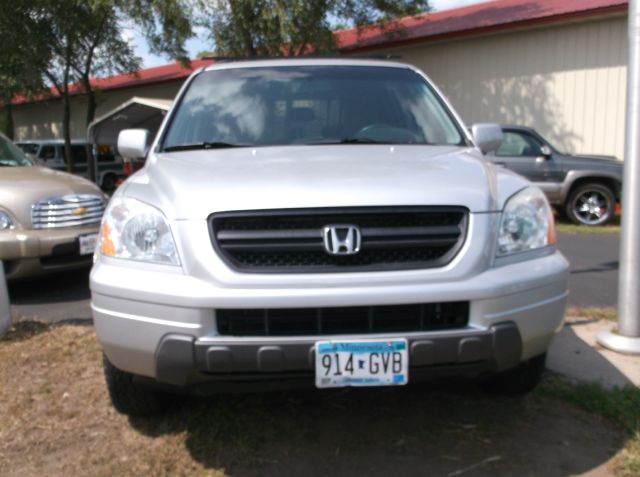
point(594, 268)
point(593, 282)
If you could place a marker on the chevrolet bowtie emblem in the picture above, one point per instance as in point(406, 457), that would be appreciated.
point(78, 211)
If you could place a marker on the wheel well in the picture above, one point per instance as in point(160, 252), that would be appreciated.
point(610, 183)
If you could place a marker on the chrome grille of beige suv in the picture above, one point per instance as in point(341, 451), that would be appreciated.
point(67, 211)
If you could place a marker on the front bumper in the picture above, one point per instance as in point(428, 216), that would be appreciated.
point(28, 253)
point(163, 326)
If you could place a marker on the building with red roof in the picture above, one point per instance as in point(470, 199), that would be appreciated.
point(556, 65)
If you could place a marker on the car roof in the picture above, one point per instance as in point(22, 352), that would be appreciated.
point(264, 62)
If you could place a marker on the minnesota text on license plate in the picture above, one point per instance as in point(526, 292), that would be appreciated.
point(361, 363)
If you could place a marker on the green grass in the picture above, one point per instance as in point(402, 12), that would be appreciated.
point(619, 405)
point(563, 225)
point(567, 228)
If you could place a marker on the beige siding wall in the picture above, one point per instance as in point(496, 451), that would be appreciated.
point(567, 81)
point(43, 120)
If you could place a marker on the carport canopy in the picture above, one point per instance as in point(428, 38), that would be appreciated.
point(143, 113)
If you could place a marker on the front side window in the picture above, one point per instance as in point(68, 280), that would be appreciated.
point(288, 105)
point(519, 144)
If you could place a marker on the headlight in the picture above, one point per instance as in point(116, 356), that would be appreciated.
point(526, 224)
point(136, 231)
point(6, 223)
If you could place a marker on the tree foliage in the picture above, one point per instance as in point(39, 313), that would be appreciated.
point(66, 42)
point(292, 27)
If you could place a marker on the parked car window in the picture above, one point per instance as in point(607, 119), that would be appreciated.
point(311, 105)
point(79, 154)
point(519, 144)
point(29, 148)
point(47, 152)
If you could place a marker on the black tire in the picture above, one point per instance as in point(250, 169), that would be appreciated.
point(591, 204)
point(129, 397)
point(519, 380)
point(109, 182)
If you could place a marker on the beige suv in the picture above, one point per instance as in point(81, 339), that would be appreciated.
point(49, 220)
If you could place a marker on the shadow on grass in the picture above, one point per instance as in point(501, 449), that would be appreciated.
point(418, 430)
point(22, 329)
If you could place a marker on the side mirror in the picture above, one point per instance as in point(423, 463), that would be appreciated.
point(487, 136)
point(546, 151)
point(133, 143)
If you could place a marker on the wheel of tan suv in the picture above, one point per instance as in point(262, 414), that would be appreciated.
point(129, 397)
point(519, 380)
point(591, 204)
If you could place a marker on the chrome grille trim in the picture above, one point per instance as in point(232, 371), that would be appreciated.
point(58, 212)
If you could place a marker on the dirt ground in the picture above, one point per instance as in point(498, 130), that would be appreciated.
point(55, 419)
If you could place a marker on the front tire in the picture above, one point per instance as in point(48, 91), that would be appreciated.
point(591, 204)
point(129, 397)
point(519, 380)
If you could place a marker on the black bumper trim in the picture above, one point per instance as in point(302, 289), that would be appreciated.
point(181, 358)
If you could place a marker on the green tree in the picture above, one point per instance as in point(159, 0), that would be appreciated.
point(292, 27)
point(20, 73)
point(85, 38)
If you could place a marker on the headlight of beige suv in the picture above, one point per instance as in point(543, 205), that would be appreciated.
point(6, 222)
point(527, 223)
point(137, 231)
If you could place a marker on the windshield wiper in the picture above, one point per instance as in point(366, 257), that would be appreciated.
point(201, 145)
point(362, 140)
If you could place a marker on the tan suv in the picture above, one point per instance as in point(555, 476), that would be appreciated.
point(49, 220)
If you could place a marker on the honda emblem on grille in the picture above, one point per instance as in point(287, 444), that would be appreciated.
point(342, 239)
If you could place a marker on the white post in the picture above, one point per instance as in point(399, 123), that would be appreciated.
point(627, 338)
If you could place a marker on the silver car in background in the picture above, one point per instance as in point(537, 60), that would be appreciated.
point(324, 222)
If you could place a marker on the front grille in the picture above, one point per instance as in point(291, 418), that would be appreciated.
point(67, 211)
point(292, 241)
point(345, 320)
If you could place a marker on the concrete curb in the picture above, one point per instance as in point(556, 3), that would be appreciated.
point(576, 354)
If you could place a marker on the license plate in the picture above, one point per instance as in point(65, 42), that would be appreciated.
point(87, 243)
point(361, 363)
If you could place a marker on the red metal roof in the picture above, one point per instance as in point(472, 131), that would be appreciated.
point(482, 17)
point(157, 74)
point(473, 19)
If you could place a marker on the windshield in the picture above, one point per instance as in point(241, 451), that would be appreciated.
point(288, 105)
point(11, 155)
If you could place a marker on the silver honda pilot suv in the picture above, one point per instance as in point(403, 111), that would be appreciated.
point(326, 222)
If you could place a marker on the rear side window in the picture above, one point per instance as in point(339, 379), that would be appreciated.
point(311, 105)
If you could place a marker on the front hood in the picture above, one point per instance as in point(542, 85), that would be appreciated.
point(193, 184)
point(21, 187)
